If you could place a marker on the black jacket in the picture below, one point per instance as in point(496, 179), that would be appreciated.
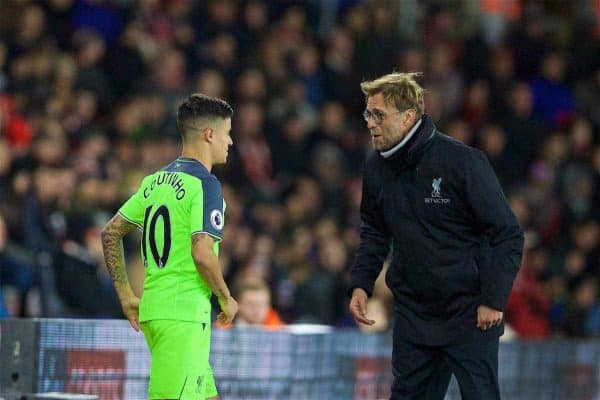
point(455, 243)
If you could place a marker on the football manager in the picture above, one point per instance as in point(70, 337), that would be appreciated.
point(436, 207)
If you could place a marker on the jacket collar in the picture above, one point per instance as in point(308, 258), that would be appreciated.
point(414, 148)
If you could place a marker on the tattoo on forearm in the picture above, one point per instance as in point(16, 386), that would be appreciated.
point(112, 243)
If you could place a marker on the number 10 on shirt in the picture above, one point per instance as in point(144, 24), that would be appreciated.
point(149, 235)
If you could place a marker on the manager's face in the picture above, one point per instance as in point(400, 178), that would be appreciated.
point(387, 125)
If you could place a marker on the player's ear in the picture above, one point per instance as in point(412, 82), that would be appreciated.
point(208, 134)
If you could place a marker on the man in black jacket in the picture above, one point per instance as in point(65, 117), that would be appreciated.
point(436, 205)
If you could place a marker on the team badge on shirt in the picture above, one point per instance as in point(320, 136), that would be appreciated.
point(436, 193)
point(216, 219)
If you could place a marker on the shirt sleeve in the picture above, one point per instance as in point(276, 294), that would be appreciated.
point(207, 210)
point(133, 209)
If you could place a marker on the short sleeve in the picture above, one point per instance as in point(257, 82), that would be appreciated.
point(207, 210)
point(133, 209)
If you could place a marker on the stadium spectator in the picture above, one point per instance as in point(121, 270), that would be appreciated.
point(553, 101)
point(83, 262)
point(577, 316)
point(255, 310)
point(528, 306)
point(16, 273)
point(313, 297)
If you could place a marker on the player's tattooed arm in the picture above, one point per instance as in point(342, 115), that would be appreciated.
point(112, 244)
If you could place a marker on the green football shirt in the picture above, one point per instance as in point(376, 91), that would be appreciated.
point(170, 206)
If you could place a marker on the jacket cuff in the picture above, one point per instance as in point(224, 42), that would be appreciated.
point(493, 303)
point(352, 287)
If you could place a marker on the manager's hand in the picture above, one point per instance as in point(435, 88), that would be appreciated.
point(358, 306)
point(488, 317)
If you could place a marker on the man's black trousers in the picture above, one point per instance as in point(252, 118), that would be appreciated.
point(423, 372)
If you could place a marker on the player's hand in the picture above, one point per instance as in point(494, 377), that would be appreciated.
point(229, 307)
point(358, 306)
point(131, 310)
point(488, 317)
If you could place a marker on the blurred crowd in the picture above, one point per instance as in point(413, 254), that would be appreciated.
point(89, 89)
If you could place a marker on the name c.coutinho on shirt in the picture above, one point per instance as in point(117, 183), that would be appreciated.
point(168, 178)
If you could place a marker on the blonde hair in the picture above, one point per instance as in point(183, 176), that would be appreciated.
point(398, 88)
point(253, 285)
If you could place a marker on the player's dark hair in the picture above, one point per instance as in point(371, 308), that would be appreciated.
point(199, 106)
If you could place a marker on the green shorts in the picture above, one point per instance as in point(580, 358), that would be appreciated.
point(179, 352)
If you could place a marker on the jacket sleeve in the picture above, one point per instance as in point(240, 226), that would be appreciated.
point(494, 219)
point(374, 243)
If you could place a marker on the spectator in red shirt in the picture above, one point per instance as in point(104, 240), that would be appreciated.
point(529, 305)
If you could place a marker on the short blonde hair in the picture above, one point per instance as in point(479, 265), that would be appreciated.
point(253, 286)
point(398, 88)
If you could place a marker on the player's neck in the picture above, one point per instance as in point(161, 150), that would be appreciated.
point(203, 157)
